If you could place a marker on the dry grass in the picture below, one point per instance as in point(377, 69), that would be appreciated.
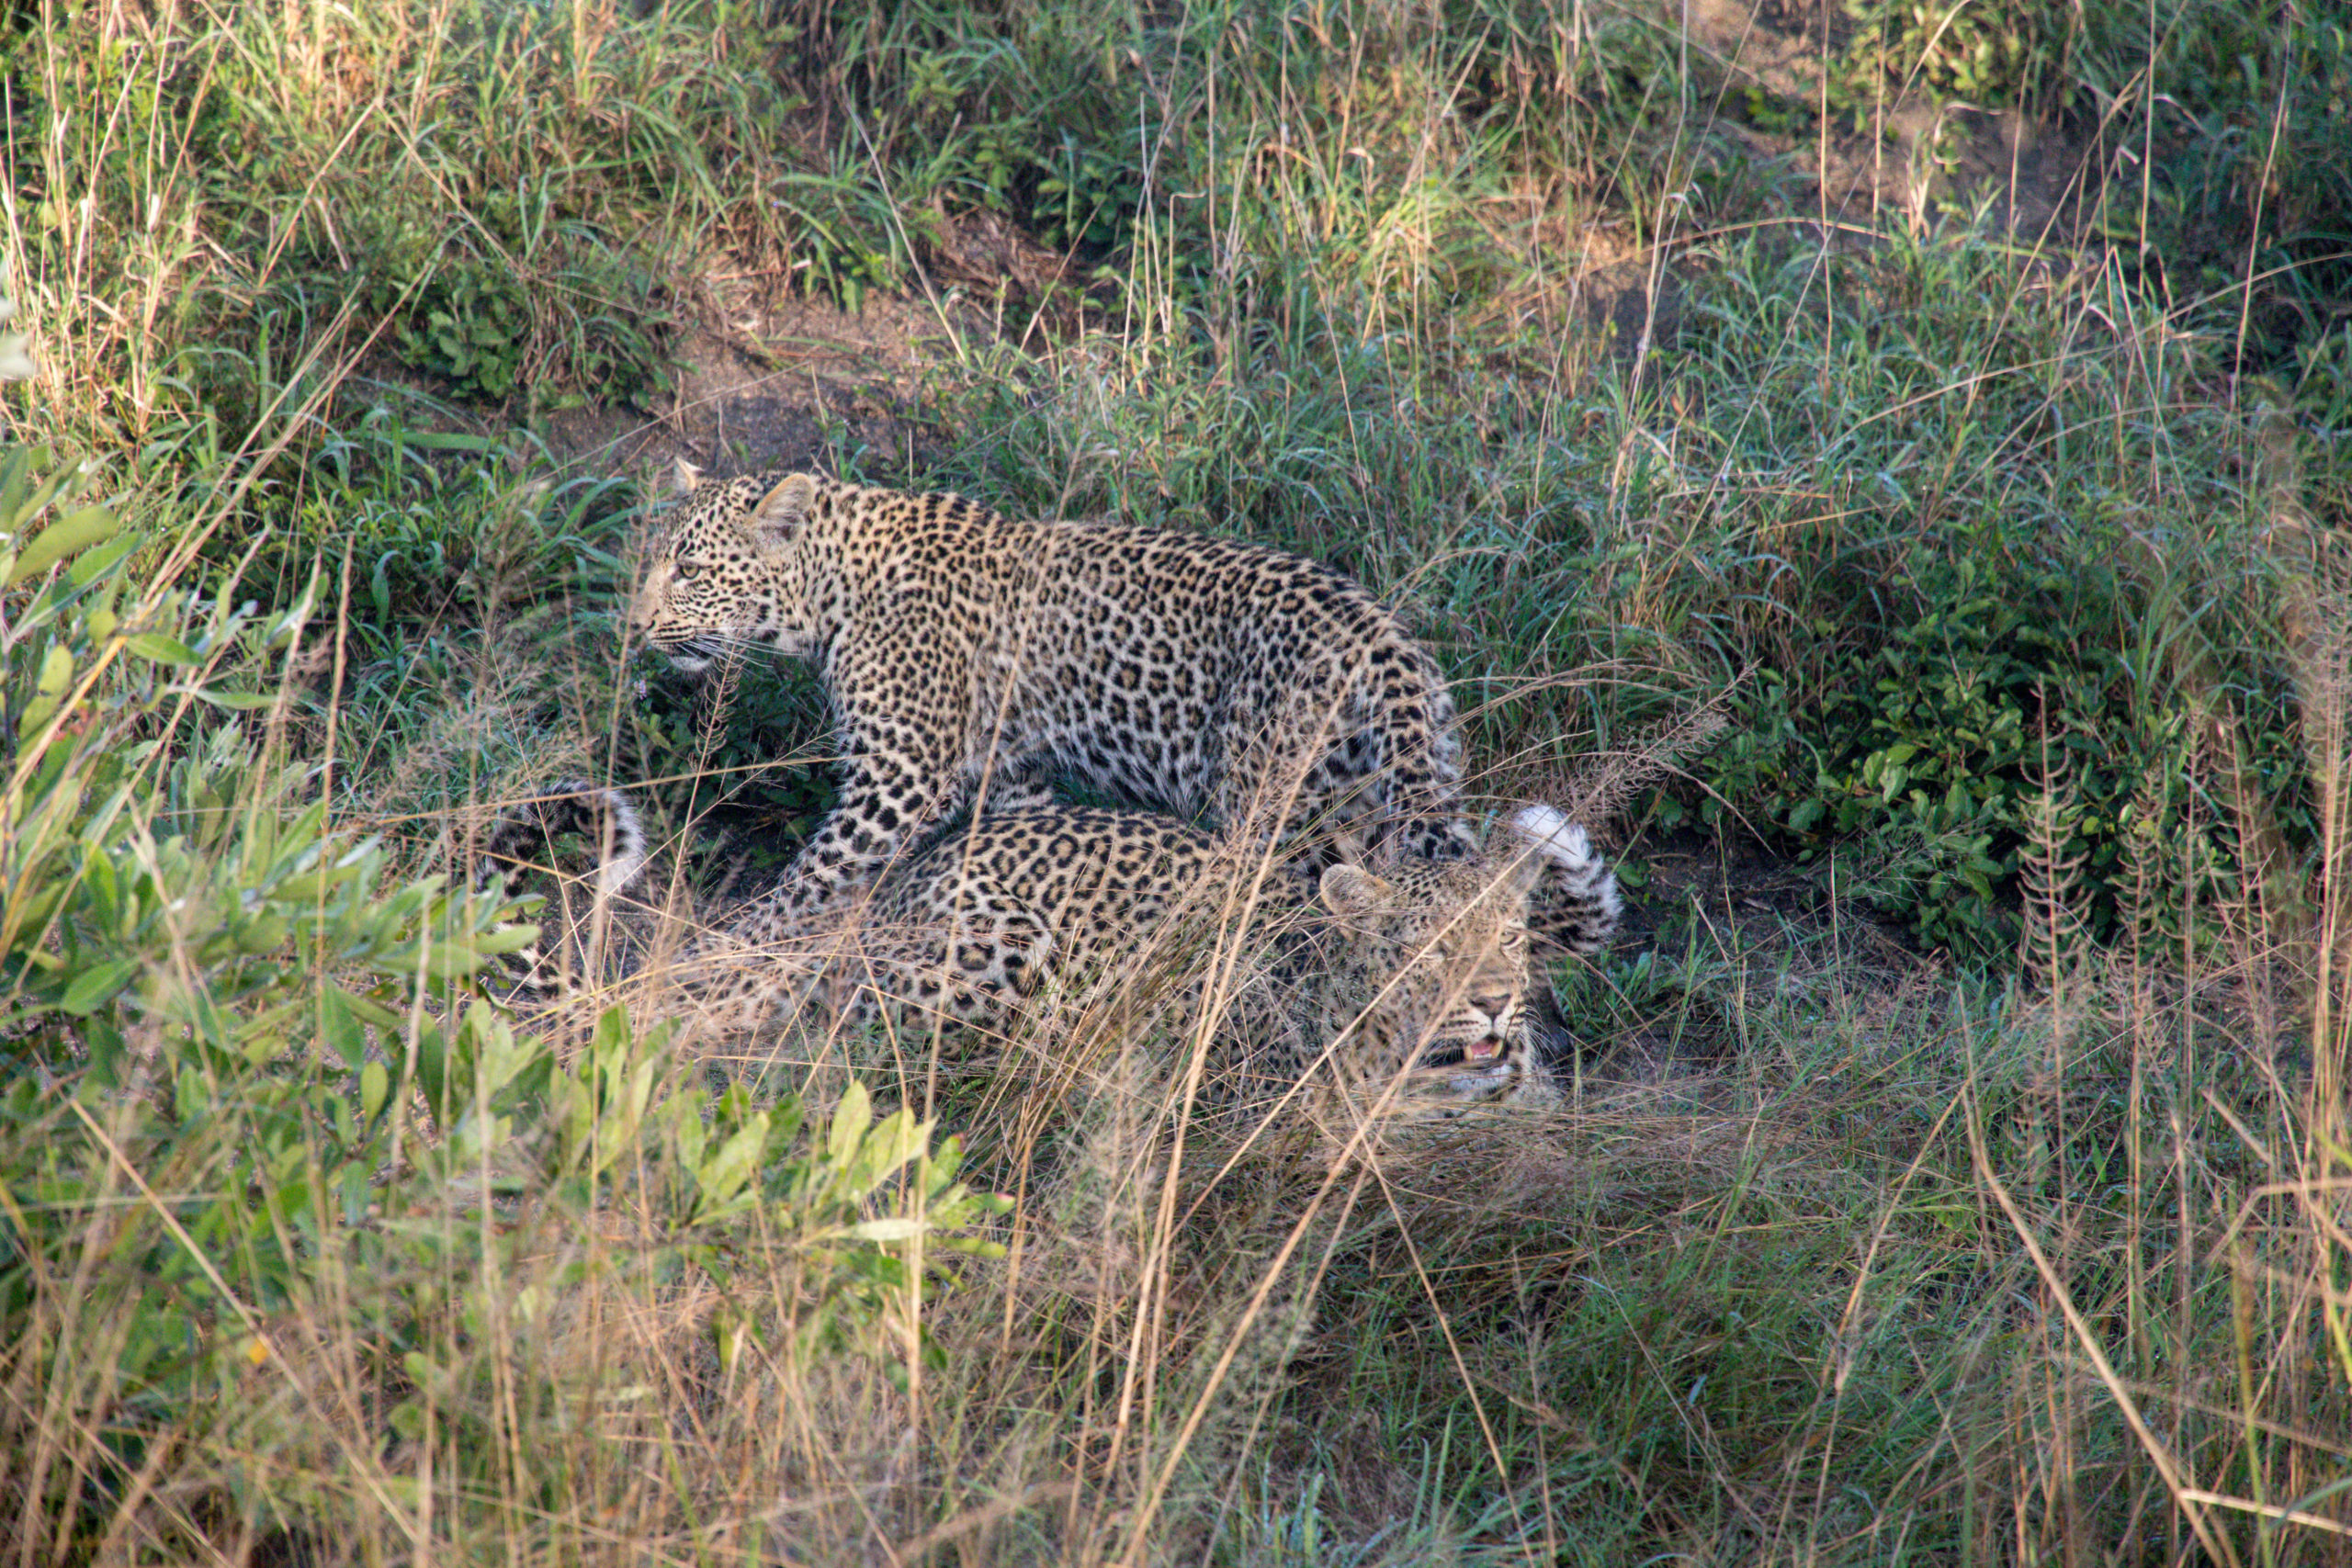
point(1835, 1251)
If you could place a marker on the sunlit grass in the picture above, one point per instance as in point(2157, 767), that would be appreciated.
point(1973, 1192)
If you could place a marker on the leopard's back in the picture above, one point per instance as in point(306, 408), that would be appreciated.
point(1207, 677)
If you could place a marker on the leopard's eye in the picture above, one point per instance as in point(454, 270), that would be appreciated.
point(687, 571)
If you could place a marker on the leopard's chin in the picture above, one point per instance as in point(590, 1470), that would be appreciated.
point(1472, 1070)
point(691, 655)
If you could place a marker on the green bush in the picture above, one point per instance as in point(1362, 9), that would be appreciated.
point(265, 1189)
point(1961, 592)
point(1923, 765)
point(1989, 56)
point(240, 1069)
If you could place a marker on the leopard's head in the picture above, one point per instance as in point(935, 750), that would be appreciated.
point(721, 572)
point(1432, 967)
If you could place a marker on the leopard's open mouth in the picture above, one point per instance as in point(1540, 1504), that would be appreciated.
point(692, 655)
point(1485, 1053)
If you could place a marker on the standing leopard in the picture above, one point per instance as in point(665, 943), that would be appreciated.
point(1348, 977)
point(1205, 677)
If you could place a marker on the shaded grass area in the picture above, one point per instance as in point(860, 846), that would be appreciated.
point(1997, 585)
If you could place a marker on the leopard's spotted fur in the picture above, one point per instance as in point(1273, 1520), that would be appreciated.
point(1348, 977)
point(1346, 973)
point(608, 822)
point(1203, 676)
point(1415, 962)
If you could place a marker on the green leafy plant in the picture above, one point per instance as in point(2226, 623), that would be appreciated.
point(471, 327)
point(1990, 56)
point(241, 1066)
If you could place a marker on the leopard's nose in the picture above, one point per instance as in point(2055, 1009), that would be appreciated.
point(1493, 1005)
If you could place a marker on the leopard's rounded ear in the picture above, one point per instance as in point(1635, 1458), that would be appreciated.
point(683, 477)
point(782, 510)
point(1351, 890)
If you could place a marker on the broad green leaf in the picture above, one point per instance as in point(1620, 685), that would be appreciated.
point(611, 1039)
point(159, 648)
point(692, 1134)
point(340, 1022)
point(308, 887)
point(368, 1011)
point(851, 1118)
point(722, 1177)
point(70, 534)
point(500, 1057)
point(105, 891)
point(375, 1086)
point(16, 487)
point(36, 713)
point(263, 934)
point(95, 986)
point(896, 1139)
point(91, 564)
point(240, 702)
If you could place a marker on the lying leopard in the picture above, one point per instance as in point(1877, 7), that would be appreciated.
point(960, 649)
point(1411, 978)
point(1350, 974)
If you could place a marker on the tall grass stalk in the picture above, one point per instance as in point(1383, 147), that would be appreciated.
point(1966, 1186)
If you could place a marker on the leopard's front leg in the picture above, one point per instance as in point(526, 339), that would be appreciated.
point(900, 779)
point(880, 814)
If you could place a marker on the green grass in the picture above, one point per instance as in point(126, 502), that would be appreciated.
point(1946, 628)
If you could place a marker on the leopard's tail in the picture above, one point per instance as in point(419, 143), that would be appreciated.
point(608, 820)
point(1576, 906)
point(602, 814)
